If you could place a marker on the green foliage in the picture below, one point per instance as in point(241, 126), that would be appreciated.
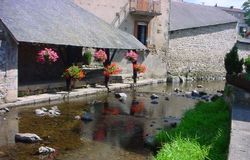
point(232, 63)
point(208, 125)
point(247, 64)
point(183, 149)
point(228, 90)
point(73, 72)
point(246, 8)
point(87, 57)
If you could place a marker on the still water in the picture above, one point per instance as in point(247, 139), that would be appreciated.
point(118, 130)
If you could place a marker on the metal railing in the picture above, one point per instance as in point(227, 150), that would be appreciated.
point(121, 16)
point(151, 6)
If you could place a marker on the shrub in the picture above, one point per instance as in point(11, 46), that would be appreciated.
point(208, 124)
point(183, 149)
point(232, 63)
point(247, 64)
point(87, 57)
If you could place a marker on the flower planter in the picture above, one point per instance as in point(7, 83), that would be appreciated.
point(70, 84)
point(238, 81)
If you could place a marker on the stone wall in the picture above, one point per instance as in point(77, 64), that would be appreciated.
point(157, 26)
point(200, 52)
point(8, 67)
point(244, 49)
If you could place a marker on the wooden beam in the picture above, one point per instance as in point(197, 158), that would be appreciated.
point(113, 55)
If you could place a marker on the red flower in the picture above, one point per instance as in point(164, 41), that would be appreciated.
point(140, 68)
point(112, 69)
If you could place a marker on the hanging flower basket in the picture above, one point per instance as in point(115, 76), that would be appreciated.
point(132, 56)
point(47, 55)
point(100, 56)
point(112, 69)
point(72, 74)
point(139, 68)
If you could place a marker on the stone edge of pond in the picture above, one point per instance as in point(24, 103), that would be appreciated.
point(63, 95)
point(240, 124)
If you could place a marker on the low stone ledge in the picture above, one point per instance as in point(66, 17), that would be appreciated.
point(238, 82)
point(63, 95)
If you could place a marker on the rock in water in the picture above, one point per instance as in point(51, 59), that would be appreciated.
point(6, 109)
point(44, 109)
point(87, 117)
point(54, 113)
point(122, 96)
point(27, 138)
point(77, 117)
point(154, 96)
point(199, 86)
point(195, 93)
point(46, 150)
point(154, 102)
point(55, 108)
point(39, 112)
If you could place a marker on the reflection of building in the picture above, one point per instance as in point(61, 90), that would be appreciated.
point(239, 14)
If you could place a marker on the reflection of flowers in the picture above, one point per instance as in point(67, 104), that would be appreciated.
point(100, 56)
point(137, 107)
point(47, 55)
point(100, 134)
point(132, 56)
point(74, 72)
point(140, 68)
point(112, 111)
point(112, 69)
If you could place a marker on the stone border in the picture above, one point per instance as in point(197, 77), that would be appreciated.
point(238, 82)
point(239, 148)
point(63, 95)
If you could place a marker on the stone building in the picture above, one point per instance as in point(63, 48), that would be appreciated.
point(26, 28)
point(239, 14)
point(147, 20)
point(200, 36)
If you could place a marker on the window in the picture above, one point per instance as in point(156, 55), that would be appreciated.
point(141, 30)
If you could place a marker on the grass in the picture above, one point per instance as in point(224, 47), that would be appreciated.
point(205, 129)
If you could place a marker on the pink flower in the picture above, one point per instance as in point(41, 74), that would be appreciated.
point(47, 55)
point(100, 56)
point(132, 56)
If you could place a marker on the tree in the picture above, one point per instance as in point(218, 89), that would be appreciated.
point(232, 63)
point(246, 9)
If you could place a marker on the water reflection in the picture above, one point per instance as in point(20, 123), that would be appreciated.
point(118, 129)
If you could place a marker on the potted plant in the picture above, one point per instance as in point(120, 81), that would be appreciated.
point(72, 74)
point(47, 55)
point(112, 69)
point(132, 56)
point(139, 68)
point(100, 56)
point(87, 57)
point(247, 64)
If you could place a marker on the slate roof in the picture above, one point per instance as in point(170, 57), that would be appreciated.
point(61, 22)
point(237, 10)
point(188, 15)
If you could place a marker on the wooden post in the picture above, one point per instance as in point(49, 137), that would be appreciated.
point(106, 64)
point(134, 72)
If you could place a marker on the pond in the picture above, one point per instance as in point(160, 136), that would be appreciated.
point(119, 130)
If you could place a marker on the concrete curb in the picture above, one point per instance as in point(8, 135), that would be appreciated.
point(61, 96)
point(239, 147)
